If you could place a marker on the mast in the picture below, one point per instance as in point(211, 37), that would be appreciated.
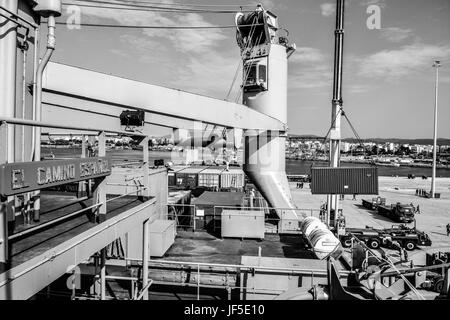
point(336, 104)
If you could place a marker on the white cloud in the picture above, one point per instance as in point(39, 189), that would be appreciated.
point(409, 59)
point(380, 3)
point(212, 76)
point(327, 9)
point(204, 68)
point(396, 34)
point(183, 40)
point(310, 68)
point(306, 55)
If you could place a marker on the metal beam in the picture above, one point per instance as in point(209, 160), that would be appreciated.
point(86, 110)
point(25, 280)
point(98, 87)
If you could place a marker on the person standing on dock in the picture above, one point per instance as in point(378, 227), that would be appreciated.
point(448, 229)
point(418, 209)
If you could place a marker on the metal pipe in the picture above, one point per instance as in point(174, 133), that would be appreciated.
point(8, 56)
point(102, 274)
point(51, 40)
point(35, 66)
point(24, 88)
point(436, 65)
point(144, 291)
point(145, 258)
point(234, 266)
point(41, 124)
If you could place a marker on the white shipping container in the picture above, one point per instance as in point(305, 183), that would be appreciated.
point(234, 178)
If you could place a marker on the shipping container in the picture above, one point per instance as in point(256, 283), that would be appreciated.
point(188, 177)
point(171, 174)
point(233, 178)
point(208, 207)
point(210, 177)
point(344, 180)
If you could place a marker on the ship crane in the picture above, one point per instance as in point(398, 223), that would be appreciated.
point(262, 114)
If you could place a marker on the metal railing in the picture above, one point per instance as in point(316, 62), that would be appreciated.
point(183, 214)
point(99, 196)
point(186, 216)
point(231, 275)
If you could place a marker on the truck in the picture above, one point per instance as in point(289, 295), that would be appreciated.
point(408, 238)
point(397, 212)
point(374, 203)
point(370, 236)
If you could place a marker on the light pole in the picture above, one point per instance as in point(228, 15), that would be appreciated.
point(436, 65)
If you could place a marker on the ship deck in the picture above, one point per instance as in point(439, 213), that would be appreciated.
point(200, 246)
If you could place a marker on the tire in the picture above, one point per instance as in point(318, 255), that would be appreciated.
point(438, 285)
point(409, 245)
point(374, 244)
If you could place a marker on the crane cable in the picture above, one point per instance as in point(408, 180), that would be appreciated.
point(240, 61)
point(332, 124)
point(234, 80)
point(353, 129)
point(136, 7)
point(176, 4)
point(143, 26)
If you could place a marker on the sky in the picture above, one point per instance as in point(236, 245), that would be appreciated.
point(388, 78)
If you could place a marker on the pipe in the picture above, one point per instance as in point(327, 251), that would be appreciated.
point(51, 40)
point(35, 66)
point(145, 258)
point(57, 126)
point(8, 38)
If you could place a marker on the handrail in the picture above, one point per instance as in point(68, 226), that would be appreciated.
point(67, 216)
point(316, 271)
point(32, 24)
point(26, 122)
point(105, 226)
point(144, 290)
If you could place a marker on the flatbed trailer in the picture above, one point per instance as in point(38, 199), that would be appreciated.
point(397, 212)
point(373, 203)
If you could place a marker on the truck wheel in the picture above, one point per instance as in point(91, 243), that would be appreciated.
point(438, 285)
point(409, 245)
point(374, 244)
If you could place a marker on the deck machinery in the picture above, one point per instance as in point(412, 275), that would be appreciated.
point(265, 50)
point(76, 99)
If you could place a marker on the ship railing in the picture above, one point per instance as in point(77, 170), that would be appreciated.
point(230, 277)
point(100, 189)
point(183, 214)
point(277, 219)
point(99, 192)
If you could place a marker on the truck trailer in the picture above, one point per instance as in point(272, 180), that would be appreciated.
point(373, 203)
point(397, 212)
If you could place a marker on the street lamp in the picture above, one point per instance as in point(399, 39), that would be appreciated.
point(436, 65)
